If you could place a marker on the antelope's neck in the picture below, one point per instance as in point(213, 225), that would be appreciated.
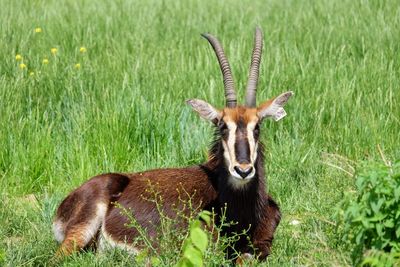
point(241, 205)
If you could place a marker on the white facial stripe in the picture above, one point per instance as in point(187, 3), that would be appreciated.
point(231, 141)
point(229, 149)
point(252, 142)
point(226, 154)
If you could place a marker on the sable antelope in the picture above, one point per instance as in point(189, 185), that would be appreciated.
point(233, 179)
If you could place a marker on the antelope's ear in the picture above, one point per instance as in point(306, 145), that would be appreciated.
point(273, 108)
point(205, 110)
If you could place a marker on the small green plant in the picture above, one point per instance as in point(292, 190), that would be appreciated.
point(182, 246)
point(176, 245)
point(371, 215)
point(195, 245)
point(170, 237)
point(379, 258)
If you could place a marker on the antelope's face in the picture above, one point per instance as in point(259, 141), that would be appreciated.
point(239, 128)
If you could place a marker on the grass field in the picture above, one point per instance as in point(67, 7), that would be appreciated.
point(122, 108)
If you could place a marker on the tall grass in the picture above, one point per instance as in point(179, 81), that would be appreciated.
point(123, 109)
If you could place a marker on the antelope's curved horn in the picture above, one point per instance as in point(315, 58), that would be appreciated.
point(230, 94)
point(254, 69)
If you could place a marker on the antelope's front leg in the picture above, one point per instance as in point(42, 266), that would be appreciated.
point(264, 233)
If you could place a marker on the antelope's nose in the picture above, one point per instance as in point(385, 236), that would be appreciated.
point(243, 170)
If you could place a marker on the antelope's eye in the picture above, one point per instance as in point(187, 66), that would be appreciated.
point(257, 129)
point(222, 126)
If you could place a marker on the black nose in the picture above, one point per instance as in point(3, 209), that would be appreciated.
point(243, 171)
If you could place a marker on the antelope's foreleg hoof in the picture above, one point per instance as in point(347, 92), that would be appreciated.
point(243, 258)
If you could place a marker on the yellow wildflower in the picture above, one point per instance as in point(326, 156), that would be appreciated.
point(45, 61)
point(38, 30)
point(22, 66)
point(31, 73)
point(53, 51)
point(82, 49)
point(77, 66)
point(18, 57)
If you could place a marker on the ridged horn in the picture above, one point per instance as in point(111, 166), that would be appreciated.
point(251, 89)
point(230, 94)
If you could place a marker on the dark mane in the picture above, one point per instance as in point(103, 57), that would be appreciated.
point(243, 206)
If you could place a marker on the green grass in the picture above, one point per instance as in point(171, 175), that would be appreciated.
point(124, 110)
